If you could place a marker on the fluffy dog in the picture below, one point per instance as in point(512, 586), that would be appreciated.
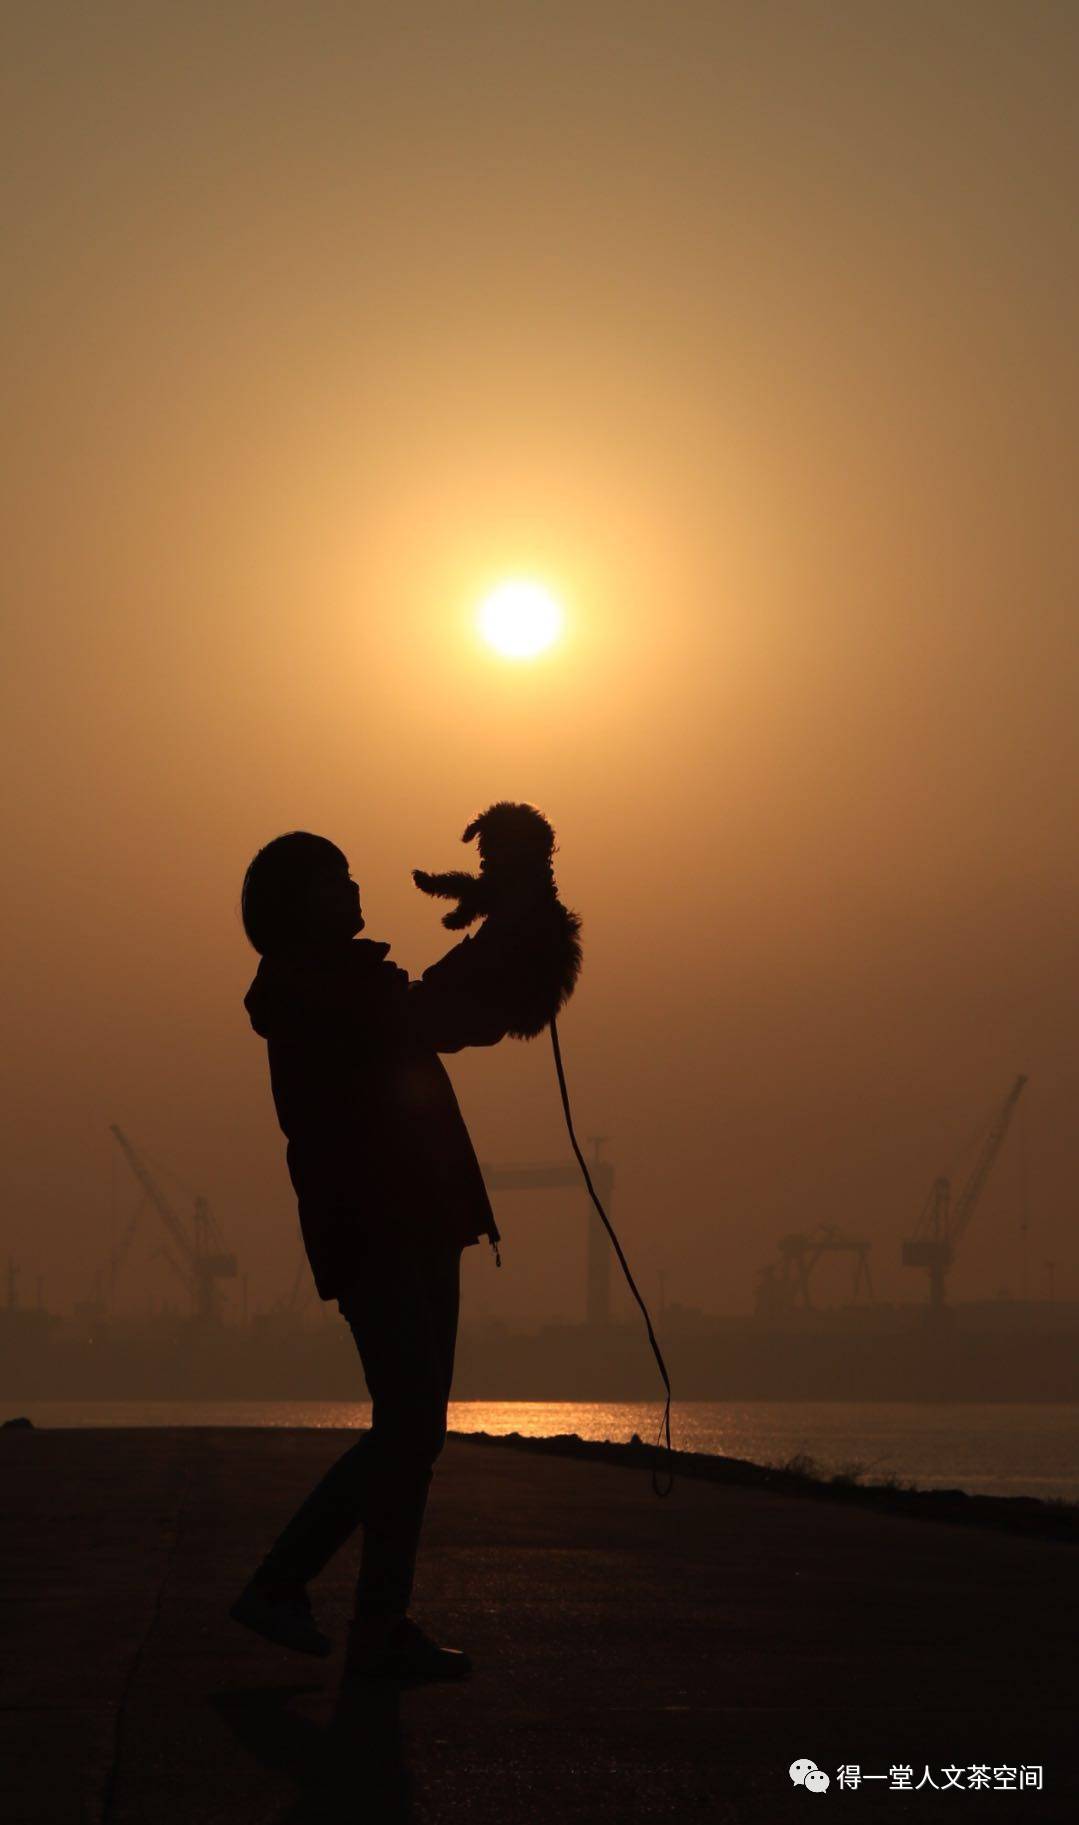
point(527, 953)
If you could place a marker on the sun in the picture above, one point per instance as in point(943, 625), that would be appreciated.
point(520, 619)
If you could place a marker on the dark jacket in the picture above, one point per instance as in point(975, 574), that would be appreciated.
point(375, 1134)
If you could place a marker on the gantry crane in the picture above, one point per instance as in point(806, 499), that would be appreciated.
point(203, 1258)
point(780, 1289)
point(941, 1223)
point(548, 1178)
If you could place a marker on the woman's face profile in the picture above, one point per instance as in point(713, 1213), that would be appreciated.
point(333, 900)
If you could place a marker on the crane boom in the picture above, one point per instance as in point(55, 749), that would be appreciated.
point(153, 1191)
point(201, 1264)
point(963, 1208)
point(941, 1223)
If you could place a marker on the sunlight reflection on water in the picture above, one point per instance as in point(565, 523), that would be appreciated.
point(990, 1449)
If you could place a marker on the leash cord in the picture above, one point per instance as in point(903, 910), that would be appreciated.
point(666, 1422)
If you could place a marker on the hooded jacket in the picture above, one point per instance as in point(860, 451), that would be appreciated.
point(375, 1135)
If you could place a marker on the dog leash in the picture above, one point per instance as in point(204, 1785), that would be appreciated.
point(666, 1422)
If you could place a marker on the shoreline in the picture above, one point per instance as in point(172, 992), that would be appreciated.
point(1033, 1516)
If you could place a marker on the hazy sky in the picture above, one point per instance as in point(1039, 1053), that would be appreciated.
point(749, 329)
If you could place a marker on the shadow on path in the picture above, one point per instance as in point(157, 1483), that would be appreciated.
point(352, 1767)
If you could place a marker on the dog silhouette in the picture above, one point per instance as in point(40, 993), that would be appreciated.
point(527, 954)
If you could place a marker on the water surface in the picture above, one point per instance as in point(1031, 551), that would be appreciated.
point(993, 1449)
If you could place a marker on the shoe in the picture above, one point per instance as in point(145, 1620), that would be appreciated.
point(281, 1614)
point(400, 1649)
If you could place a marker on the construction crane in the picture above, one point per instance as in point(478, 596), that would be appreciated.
point(942, 1223)
point(780, 1289)
point(203, 1258)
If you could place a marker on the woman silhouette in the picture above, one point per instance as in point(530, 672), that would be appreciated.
point(389, 1192)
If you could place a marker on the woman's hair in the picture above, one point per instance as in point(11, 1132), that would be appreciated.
point(273, 901)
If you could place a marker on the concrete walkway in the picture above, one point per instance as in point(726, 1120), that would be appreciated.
point(636, 1658)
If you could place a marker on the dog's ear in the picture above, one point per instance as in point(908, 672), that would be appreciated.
point(474, 828)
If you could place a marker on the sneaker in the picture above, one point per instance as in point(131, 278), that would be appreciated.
point(281, 1614)
point(399, 1648)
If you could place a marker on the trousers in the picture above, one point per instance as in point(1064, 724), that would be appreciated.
point(403, 1313)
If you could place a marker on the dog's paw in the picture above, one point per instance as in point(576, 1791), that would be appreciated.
point(468, 890)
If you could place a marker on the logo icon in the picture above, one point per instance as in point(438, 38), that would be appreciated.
point(805, 1773)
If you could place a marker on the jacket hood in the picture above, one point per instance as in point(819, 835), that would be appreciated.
point(290, 986)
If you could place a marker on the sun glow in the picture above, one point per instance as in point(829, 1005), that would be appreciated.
point(520, 619)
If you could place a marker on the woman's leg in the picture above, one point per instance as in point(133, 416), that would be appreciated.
point(321, 1525)
point(403, 1316)
point(409, 1368)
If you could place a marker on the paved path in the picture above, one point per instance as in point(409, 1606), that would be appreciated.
point(636, 1658)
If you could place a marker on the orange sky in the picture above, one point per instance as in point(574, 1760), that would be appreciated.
point(749, 331)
